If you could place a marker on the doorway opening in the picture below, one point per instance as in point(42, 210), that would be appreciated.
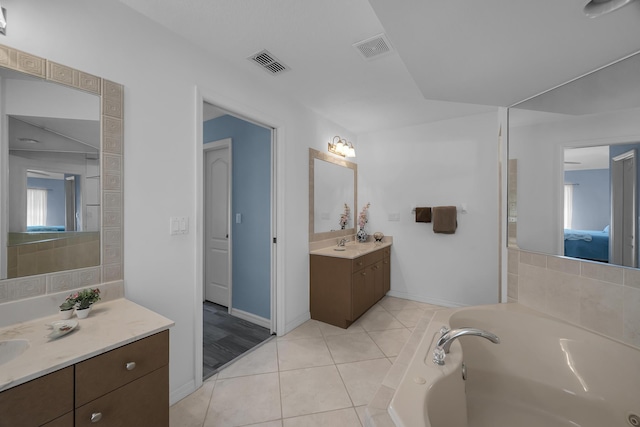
point(238, 236)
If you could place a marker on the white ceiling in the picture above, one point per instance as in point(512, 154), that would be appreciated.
point(451, 58)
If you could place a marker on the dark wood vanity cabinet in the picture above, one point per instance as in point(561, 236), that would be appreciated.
point(127, 386)
point(45, 401)
point(342, 289)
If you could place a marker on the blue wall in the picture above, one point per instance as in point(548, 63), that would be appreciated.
point(55, 198)
point(251, 197)
point(591, 199)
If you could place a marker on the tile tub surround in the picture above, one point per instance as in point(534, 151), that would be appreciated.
point(599, 297)
point(317, 375)
point(110, 325)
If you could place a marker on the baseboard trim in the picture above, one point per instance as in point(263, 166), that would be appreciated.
point(181, 392)
point(434, 301)
point(250, 317)
point(290, 326)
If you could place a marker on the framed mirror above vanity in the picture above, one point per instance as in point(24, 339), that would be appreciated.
point(61, 156)
point(333, 187)
point(573, 179)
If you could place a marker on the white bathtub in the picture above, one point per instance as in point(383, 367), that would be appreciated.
point(543, 373)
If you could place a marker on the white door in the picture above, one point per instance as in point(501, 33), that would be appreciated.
point(623, 206)
point(217, 195)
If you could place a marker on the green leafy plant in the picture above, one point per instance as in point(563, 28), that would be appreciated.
point(68, 304)
point(83, 299)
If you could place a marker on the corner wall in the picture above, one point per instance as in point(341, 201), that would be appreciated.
point(451, 162)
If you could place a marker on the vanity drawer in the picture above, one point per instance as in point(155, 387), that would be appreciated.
point(365, 260)
point(38, 401)
point(101, 374)
point(141, 403)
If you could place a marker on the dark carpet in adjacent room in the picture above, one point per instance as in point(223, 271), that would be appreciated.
point(226, 337)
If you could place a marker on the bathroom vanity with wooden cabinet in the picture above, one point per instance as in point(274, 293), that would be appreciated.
point(345, 283)
point(112, 371)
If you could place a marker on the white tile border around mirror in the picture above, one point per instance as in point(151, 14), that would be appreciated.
point(109, 273)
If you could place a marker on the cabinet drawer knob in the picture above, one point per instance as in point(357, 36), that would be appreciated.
point(96, 416)
point(131, 366)
point(364, 273)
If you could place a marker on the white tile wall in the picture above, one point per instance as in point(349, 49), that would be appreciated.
point(603, 298)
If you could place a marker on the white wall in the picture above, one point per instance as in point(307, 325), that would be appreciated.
point(445, 163)
point(160, 74)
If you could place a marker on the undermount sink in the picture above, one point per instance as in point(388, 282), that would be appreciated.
point(10, 349)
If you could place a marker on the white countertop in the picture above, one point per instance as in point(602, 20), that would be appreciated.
point(351, 250)
point(110, 324)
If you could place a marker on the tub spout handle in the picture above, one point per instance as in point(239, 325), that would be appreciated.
point(444, 343)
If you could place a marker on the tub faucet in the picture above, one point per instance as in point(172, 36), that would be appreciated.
point(448, 336)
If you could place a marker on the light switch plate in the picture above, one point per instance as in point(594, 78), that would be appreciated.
point(178, 225)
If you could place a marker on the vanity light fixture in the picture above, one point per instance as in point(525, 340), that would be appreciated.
point(341, 147)
point(3, 21)
point(596, 8)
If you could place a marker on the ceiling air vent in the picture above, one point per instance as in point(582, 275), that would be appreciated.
point(374, 47)
point(268, 62)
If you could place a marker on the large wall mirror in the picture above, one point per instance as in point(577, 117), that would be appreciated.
point(573, 179)
point(61, 181)
point(332, 196)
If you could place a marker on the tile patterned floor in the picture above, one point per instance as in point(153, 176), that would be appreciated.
point(316, 375)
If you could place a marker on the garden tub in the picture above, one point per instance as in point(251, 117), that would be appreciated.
point(544, 372)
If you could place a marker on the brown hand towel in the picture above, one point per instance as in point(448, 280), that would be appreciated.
point(423, 214)
point(445, 219)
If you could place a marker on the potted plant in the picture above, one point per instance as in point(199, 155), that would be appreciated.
point(84, 299)
point(66, 308)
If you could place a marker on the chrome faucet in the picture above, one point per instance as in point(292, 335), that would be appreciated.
point(342, 241)
point(448, 336)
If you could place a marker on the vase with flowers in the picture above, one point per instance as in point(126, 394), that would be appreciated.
point(66, 308)
point(344, 217)
point(84, 300)
point(362, 221)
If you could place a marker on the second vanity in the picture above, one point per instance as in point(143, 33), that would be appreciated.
point(113, 369)
point(346, 281)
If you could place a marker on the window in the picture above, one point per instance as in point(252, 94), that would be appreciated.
point(36, 206)
point(568, 205)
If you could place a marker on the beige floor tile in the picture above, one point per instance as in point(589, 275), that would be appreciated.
point(192, 410)
point(363, 379)
point(308, 329)
point(391, 341)
point(392, 359)
point(426, 306)
point(329, 330)
point(303, 353)
point(409, 317)
point(276, 423)
point(262, 360)
point(378, 320)
point(360, 411)
point(244, 400)
point(341, 418)
point(392, 303)
point(312, 390)
point(353, 348)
